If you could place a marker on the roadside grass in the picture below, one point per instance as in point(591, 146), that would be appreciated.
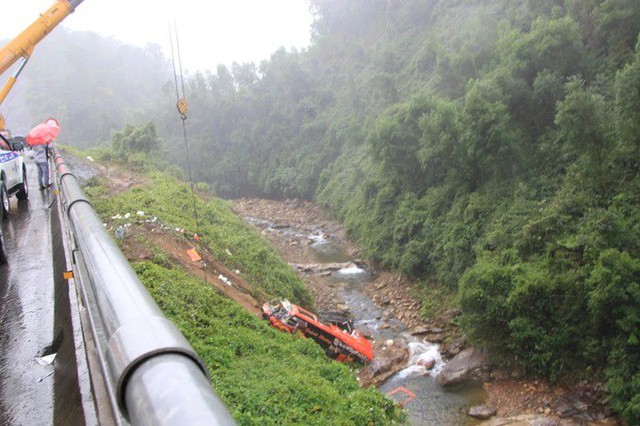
point(263, 376)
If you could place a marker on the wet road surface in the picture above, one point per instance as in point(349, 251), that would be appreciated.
point(27, 309)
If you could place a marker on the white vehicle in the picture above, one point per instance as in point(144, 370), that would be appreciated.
point(13, 173)
point(13, 180)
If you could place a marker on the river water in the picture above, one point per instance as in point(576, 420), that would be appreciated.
point(432, 405)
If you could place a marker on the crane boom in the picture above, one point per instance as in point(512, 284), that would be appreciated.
point(21, 47)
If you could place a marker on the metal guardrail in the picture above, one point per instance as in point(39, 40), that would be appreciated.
point(153, 375)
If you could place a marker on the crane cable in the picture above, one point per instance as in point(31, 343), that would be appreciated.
point(181, 104)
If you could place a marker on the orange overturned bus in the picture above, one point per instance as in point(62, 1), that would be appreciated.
point(337, 336)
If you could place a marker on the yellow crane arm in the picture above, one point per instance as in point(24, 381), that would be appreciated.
point(21, 47)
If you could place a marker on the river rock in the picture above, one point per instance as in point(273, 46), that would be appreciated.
point(280, 226)
point(467, 365)
point(530, 420)
point(381, 285)
point(428, 365)
point(454, 348)
point(318, 268)
point(390, 357)
point(420, 330)
point(481, 412)
point(343, 309)
point(434, 338)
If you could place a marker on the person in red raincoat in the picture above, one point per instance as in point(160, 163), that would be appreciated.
point(41, 156)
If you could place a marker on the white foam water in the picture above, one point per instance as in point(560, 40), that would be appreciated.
point(351, 270)
point(421, 355)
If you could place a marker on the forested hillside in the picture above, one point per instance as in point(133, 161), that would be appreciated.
point(489, 147)
point(92, 85)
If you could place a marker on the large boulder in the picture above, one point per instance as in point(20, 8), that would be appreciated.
point(481, 412)
point(390, 357)
point(470, 364)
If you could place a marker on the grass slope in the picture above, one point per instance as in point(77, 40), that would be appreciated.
point(263, 376)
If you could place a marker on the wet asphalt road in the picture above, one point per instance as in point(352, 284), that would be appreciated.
point(26, 309)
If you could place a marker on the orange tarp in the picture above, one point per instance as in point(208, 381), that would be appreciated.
point(193, 254)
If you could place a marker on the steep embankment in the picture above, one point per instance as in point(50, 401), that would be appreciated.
point(262, 375)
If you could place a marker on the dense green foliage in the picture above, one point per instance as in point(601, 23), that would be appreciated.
point(262, 375)
point(489, 146)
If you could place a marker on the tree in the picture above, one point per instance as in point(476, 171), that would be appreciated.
point(395, 143)
point(491, 138)
point(582, 120)
point(614, 303)
point(141, 139)
point(617, 23)
point(627, 105)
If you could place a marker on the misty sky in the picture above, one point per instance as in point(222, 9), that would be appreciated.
point(210, 31)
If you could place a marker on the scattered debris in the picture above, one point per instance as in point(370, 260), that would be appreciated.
point(193, 255)
point(50, 373)
point(401, 389)
point(46, 360)
point(120, 232)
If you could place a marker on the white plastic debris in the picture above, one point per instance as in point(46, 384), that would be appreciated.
point(118, 216)
point(127, 216)
point(90, 159)
point(237, 271)
point(120, 232)
point(224, 279)
point(46, 360)
point(228, 252)
point(140, 213)
point(50, 373)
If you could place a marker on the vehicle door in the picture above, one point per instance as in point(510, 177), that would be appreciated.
point(9, 164)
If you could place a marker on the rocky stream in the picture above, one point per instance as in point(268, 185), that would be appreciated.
point(425, 364)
